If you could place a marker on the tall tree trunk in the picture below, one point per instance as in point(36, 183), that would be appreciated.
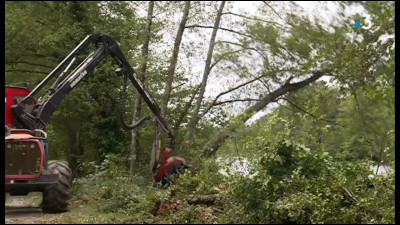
point(73, 154)
point(174, 59)
point(170, 80)
point(155, 148)
point(141, 76)
point(75, 146)
point(207, 69)
point(213, 146)
point(185, 110)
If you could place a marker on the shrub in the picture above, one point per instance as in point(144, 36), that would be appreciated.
point(202, 180)
point(116, 189)
point(294, 184)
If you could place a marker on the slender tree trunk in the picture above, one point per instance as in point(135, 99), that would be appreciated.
point(185, 110)
point(73, 156)
point(155, 148)
point(75, 151)
point(207, 69)
point(174, 59)
point(170, 80)
point(141, 76)
point(135, 133)
point(213, 146)
point(80, 150)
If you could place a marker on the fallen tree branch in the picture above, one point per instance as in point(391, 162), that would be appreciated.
point(213, 145)
point(215, 103)
point(203, 199)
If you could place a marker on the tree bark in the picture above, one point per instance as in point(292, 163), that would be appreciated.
point(174, 59)
point(141, 76)
point(207, 69)
point(170, 80)
point(213, 146)
point(185, 110)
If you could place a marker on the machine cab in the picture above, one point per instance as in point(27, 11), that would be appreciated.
point(13, 94)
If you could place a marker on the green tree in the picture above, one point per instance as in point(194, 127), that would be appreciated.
point(50, 31)
point(304, 47)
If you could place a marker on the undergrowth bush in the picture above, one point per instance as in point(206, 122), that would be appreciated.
point(290, 183)
point(116, 189)
point(205, 177)
point(294, 184)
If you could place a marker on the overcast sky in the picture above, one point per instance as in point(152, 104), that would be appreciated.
point(326, 11)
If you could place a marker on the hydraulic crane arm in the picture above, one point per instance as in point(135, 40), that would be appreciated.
point(65, 82)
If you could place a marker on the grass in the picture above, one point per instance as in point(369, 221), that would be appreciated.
point(79, 212)
point(89, 213)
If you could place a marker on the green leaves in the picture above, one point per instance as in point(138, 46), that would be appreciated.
point(39, 35)
point(297, 185)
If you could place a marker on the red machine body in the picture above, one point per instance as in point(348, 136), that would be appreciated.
point(23, 138)
point(12, 95)
point(19, 140)
point(169, 166)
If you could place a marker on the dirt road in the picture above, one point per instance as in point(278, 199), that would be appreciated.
point(23, 210)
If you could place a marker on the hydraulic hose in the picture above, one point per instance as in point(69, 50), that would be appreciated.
point(122, 110)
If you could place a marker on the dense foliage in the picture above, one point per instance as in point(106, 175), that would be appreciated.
point(295, 184)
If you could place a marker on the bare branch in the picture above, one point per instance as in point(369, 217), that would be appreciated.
point(34, 53)
point(244, 47)
point(213, 145)
point(236, 100)
point(179, 85)
point(25, 71)
point(262, 82)
point(276, 13)
point(256, 78)
point(222, 57)
point(30, 63)
point(308, 113)
point(214, 102)
point(257, 19)
point(221, 28)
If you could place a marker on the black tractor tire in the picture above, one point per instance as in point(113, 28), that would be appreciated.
point(56, 196)
point(7, 130)
point(64, 164)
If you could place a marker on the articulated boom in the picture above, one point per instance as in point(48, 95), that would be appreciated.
point(65, 82)
point(27, 117)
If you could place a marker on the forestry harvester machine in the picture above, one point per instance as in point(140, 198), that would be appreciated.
point(27, 168)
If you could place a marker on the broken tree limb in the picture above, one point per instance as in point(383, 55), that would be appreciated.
point(203, 199)
point(213, 145)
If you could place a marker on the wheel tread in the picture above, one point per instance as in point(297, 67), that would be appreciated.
point(56, 197)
